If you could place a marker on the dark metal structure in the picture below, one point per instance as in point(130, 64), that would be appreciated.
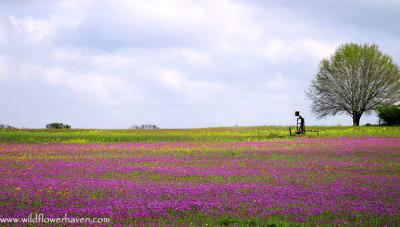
point(300, 126)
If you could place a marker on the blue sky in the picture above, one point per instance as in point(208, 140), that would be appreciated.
point(113, 64)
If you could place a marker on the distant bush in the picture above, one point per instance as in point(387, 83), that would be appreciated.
point(144, 126)
point(3, 126)
point(390, 114)
point(58, 126)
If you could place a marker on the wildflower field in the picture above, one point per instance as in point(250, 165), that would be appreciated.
point(225, 176)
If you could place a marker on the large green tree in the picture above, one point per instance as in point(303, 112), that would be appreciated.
point(356, 79)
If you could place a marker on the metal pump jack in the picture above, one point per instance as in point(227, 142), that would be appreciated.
point(300, 126)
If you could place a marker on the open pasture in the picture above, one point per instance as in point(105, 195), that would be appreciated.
point(222, 134)
point(300, 181)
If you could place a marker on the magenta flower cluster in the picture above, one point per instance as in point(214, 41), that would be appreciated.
point(335, 179)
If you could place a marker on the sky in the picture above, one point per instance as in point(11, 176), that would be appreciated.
point(177, 64)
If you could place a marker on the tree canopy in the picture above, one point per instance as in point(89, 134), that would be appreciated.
point(390, 114)
point(356, 79)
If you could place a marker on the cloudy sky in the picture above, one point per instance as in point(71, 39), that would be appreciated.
point(116, 63)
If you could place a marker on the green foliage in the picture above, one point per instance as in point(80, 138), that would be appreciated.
point(390, 114)
point(58, 126)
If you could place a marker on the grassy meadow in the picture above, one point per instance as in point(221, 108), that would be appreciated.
point(223, 134)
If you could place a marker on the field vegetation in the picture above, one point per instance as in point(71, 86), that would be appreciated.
point(223, 134)
point(244, 176)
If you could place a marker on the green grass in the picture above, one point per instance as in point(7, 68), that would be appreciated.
point(259, 133)
point(199, 219)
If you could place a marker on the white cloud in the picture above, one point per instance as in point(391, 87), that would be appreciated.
point(216, 24)
point(3, 67)
point(83, 85)
point(3, 35)
point(318, 49)
point(43, 29)
point(279, 83)
point(191, 88)
point(33, 30)
point(278, 50)
point(170, 78)
point(78, 7)
point(98, 61)
point(195, 56)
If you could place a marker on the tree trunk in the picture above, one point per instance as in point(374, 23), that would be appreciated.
point(356, 119)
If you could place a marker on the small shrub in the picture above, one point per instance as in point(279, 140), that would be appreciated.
point(4, 126)
point(144, 126)
point(390, 114)
point(58, 126)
